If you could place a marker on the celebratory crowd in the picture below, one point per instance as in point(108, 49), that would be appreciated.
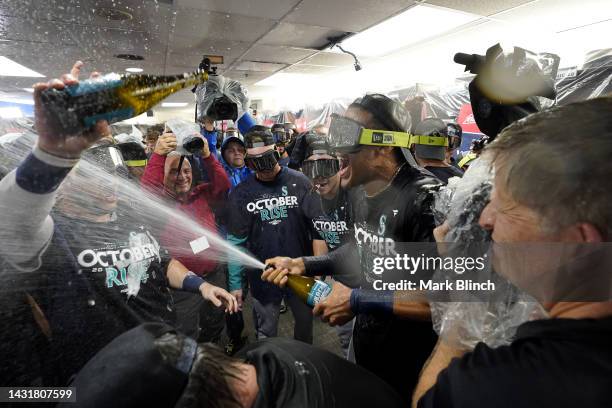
point(127, 309)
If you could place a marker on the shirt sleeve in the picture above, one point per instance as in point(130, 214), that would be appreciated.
point(238, 227)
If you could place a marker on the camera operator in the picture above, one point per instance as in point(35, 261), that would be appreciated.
point(86, 291)
point(564, 360)
point(163, 177)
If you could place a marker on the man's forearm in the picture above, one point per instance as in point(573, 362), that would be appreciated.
point(329, 263)
point(438, 361)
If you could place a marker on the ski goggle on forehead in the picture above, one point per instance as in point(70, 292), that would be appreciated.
point(107, 158)
point(320, 168)
point(280, 136)
point(346, 136)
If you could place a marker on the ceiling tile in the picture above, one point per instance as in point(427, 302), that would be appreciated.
point(298, 35)
point(346, 15)
point(330, 59)
point(308, 69)
point(280, 54)
point(271, 9)
point(258, 66)
point(482, 8)
point(247, 77)
point(212, 25)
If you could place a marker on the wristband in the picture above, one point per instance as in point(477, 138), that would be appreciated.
point(192, 283)
point(41, 172)
point(371, 301)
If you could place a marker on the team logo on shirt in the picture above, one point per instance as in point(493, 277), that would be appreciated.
point(124, 265)
point(273, 209)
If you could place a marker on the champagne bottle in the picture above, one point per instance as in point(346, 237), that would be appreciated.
point(112, 97)
point(309, 290)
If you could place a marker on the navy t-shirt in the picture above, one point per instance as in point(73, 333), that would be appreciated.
point(270, 215)
point(106, 278)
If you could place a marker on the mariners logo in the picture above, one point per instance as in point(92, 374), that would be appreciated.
point(381, 224)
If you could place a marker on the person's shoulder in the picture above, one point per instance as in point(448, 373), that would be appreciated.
point(297, 176)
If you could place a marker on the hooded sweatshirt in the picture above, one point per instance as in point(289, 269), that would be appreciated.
point(235, 174)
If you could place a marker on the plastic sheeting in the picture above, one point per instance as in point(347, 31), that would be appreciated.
point(465, 322)
point(593, 80)
point(216, 87)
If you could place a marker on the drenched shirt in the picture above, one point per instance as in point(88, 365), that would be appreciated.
point(551, 363)
point(444, 173)
point(333, 222)
point(103, 279)
point(269, 218)
point(294, 374)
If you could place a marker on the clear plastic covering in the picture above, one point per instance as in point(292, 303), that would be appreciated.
point(216, 88)
point(467, 322)
point(135, 136)
point(592, 80)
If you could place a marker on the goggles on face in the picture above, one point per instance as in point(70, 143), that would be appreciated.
point(280, 137)
point(347, 135)
point(320, 168)
point(262, 162)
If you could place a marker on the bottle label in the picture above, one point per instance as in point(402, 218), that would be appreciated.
point(94, 85)
point(319, 291)
point(111, 117)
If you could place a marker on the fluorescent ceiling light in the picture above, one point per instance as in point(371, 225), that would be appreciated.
point(10, 112)
point(414, 25)
point(20, 101)
point(134, 69)
point(11, 68)
point(31, 90)
point(174, 104)
point(285, 79)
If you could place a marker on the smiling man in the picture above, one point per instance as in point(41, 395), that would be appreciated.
point(396, 207)
point(551, 238)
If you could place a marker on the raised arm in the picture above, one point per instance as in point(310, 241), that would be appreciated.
point(28, 193)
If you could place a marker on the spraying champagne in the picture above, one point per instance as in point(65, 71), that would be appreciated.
point(112, 97)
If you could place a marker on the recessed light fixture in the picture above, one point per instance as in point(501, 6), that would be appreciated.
point(11, 112)
point(11, 68)
point(134, 69)
point(174, 104)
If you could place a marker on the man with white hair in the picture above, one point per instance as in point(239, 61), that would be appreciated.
point(167, 175)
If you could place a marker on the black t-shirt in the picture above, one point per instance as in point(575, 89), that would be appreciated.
point(270, 215)
point(333, 222)
point(444, 173)
point(107, 278)
point(395, 349)
point(552, 363)
point(294, 374)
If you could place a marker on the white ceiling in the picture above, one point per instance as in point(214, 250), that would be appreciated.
point(256, 37)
